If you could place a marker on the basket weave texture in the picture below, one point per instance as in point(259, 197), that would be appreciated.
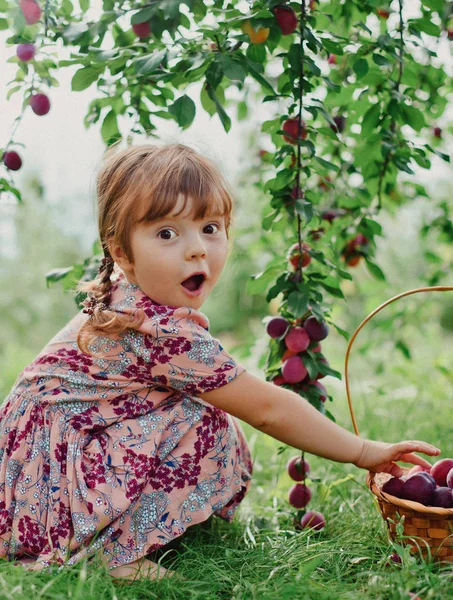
point(427, 530)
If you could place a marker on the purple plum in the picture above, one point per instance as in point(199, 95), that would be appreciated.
point(418, 488)
point(442, 496)
point(393, 486)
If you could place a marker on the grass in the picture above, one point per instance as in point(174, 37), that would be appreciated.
point(260, 555)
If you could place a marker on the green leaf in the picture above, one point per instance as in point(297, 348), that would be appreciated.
point(344, 274)
point(235, 72)
point(425, 25)
point(360, 67)
point(148, 64)
point(84, 77)
point(256, 53)
point(371, 119)
point(312, 368)
point(242, 110)
point(330, 416)
point(431, 257)
point(373, 226)
point(206, 102)
point(12, 91)
point(304, 208)
point(269, 219)
point(143, 15)
point(254, 73)
point(264, 14)
point(104, 55)
point(67, 8)
point(271, 126)
point(342, 332)
point(364, 27)
point(434, 4)
point(420, 158)
point(109, 129)
point(120, 37)
point(328, 165)
point(183, 110)
point(226, 62)
point(331, 85)
point(57, 274)
point(275, 290)
point(403, 348)
point(403, 164)
point(332, 47)
point(75, 31)
point(336, 292)
point(375, 270)
point(328, 132)
point(309, 145)
point(73, 277)
point(6, 187)
point(443, 156)
point(214, 74)
point(380, 60)
point(3, 24)
point(326, 370)
point(259, 283)
point(414, 117)
point(332, 286)
point(298, 302)
point(224, 118)
point(283, 178)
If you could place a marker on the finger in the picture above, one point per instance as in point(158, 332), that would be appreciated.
point(415, 460)
point(394, 470)
point(417, 446)
point(388, 467)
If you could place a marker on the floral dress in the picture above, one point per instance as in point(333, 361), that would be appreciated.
point(119, 455)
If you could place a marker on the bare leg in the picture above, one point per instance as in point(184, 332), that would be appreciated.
point(141, 569)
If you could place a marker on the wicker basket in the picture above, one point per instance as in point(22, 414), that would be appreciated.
point(427, 529)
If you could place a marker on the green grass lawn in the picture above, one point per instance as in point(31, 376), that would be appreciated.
point(260, 555)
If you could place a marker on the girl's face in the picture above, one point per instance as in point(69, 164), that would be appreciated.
point(169, 250)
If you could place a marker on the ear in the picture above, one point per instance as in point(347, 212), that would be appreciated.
point(119, 256)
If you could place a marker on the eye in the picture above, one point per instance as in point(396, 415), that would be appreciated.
point(162, 231)
point(215, 224)
point(168, 238)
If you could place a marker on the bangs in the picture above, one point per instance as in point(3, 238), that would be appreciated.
point(158, 195)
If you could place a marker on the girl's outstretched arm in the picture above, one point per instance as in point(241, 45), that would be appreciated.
point(287, 417)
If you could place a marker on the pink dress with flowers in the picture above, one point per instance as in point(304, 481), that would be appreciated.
point(119, 455)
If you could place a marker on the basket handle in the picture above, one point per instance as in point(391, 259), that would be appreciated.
point(439, 288)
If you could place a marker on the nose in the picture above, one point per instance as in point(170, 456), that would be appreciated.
point(195, 247)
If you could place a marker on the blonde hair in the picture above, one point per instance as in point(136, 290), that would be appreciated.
point(137, 185)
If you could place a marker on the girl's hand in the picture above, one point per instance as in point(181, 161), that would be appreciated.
point(381, 457)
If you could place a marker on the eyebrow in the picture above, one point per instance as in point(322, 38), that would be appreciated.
point(176, 218)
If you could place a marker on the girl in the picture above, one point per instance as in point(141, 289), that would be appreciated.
point(124, 431)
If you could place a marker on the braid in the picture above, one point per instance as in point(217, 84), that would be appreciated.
point(102, 320)
point(99, 299)
point(106, 269)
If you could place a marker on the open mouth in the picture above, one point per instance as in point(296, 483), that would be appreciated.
point(193, 283)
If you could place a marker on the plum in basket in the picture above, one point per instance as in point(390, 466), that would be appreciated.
point(393, 486)
point(442, 496)
point(418, 488)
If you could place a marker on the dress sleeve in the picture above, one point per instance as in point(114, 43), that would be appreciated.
point(183, 355)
